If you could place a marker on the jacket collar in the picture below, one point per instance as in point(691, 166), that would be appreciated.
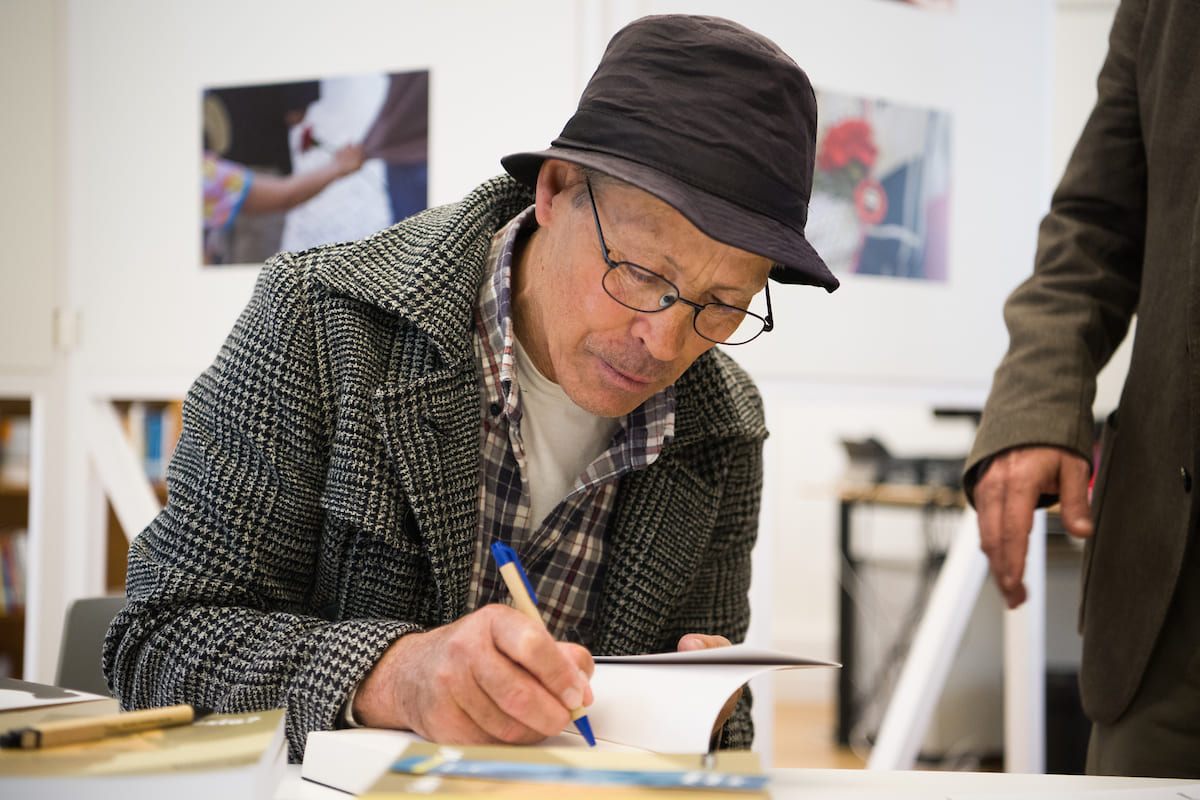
point(427, 268)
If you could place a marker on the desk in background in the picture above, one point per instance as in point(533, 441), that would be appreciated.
point(893, 541)
point(862, 681)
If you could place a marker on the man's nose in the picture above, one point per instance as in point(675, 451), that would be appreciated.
point(665, 333)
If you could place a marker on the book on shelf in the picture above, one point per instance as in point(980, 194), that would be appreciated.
point(15, 442)
point(13, 544)
point(226, 756)
point(662, 704)
point(153, 431)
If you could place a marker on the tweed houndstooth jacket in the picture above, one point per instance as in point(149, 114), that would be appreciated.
point(323, 498)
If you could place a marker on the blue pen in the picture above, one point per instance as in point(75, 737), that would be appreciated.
point(526, 602)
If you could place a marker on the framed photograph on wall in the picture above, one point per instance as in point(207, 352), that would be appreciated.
point(932, 5)
point(881, 188)
point(287, 166)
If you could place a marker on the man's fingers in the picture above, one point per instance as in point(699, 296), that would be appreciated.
point(491, 676)
point(1015, 523)
point(1005, 517)
point(1005, 499)
point(509, 705)
point(1073, 496)
point(1008, 493)
point(560, 668)
point(579, 655)
point(700, 641)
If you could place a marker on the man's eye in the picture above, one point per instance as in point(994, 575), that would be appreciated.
point(640, 275)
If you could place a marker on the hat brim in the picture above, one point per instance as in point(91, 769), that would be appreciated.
point(797, 262)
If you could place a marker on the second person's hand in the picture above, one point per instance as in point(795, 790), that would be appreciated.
point(1006, 496)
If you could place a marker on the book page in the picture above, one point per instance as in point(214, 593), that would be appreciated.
point(734, 654)
point(17, 694)
point(669, 702)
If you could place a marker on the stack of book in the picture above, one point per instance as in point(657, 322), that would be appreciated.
point(226, 756)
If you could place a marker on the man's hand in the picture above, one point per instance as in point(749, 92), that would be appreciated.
point(492, 676)
point(701, 641)
point(1006, 497)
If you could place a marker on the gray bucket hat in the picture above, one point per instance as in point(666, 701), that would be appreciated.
point(714, 120)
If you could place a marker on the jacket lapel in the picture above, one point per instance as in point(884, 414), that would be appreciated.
point(666, 513)
point(660, 530)
point(426, 270)
point(431, 428)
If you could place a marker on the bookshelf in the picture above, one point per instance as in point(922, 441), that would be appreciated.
point(152, 428)
point(14, 523)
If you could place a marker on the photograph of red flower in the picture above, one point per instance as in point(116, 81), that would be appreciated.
point(881, 188)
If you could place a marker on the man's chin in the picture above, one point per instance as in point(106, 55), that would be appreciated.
point(607, 404)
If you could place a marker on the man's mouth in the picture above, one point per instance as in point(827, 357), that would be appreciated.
point(634, 378)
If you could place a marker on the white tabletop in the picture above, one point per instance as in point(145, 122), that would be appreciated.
point(854, 784)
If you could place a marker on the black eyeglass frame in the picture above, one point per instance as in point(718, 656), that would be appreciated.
point(768, 321)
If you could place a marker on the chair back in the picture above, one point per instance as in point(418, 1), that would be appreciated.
point(86, 624)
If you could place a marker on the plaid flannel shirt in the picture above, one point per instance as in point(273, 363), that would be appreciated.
point(564, 553)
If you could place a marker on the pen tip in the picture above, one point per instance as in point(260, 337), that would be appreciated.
point(585, 729)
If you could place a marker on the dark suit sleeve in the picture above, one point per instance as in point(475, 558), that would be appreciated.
point(1066, 320)
point(222, 611)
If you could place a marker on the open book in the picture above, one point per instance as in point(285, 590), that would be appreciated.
point(669, 702)
point(661, 703)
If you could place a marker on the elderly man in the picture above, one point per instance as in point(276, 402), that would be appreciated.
point(536, 368)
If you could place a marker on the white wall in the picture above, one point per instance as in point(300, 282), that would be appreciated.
point(135, 75)
point(30, 172)
point(1080, 43)
point(135, 72)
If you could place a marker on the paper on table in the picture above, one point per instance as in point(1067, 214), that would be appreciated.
point(1172, 791)
point(16, 694)
point(668, 702)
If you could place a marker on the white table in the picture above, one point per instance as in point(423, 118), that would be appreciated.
point(849, 784)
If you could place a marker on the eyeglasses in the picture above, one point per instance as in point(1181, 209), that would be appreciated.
point(644, 290)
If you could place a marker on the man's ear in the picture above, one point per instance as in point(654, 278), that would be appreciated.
point(554, 188)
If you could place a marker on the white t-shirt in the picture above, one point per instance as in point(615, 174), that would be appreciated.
point(560, 438)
